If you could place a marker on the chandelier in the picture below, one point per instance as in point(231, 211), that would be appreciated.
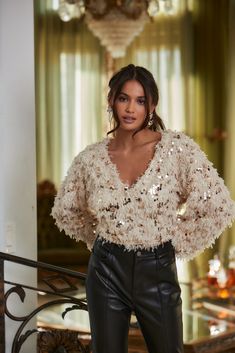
point(114, 22)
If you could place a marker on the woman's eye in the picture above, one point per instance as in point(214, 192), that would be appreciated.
point(122, 99)
point(141, 101)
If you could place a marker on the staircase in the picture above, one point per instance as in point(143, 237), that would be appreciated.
point(57, 286)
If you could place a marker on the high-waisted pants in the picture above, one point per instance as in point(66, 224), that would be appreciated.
point(120, 282)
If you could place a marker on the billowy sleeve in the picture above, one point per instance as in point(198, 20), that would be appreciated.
point(70, 207)
point(206, 207)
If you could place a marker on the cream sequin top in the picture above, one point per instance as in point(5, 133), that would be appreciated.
point(180, 197)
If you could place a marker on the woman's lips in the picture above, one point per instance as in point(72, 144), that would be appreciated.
point(128, 119)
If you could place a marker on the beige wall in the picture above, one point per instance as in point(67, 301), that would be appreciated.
point(17, 146)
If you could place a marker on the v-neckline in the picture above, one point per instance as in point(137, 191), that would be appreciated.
point(115, 170)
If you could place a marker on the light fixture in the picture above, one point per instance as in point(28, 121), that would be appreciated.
point(115, 22)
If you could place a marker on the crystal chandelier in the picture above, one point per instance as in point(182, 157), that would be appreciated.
point(115, 22)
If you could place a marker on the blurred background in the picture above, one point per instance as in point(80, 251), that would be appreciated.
point(188, 45)
point(56, 57)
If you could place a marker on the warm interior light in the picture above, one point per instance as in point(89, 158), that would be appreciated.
point(115, 24)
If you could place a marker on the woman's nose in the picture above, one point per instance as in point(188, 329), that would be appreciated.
point(130, 107)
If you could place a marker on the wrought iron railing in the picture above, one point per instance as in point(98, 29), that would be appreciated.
point(58, 283)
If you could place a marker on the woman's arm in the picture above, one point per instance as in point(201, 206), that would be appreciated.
point(70, 207)
point(207, 206)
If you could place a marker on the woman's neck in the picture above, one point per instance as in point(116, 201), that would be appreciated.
point(124, 139)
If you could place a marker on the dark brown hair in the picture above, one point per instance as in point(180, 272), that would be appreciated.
point(146, 79)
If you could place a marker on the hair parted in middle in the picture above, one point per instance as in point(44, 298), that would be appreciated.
point(146, 79)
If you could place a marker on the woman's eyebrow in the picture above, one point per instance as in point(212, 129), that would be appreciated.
point(125, 94)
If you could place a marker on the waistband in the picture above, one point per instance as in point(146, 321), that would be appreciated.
point(158, 250)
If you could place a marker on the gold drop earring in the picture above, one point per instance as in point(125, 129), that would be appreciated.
point(150, 122)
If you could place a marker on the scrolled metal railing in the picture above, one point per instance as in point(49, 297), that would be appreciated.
point(70, 278)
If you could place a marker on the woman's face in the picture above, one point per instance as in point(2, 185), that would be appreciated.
point(130, 105)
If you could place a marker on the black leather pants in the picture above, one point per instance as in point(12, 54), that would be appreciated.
point(119, 282)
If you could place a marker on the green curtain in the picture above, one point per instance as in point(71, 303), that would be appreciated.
point(69, 70)
point(165, 48)
point(229, 160)
point(211, 34)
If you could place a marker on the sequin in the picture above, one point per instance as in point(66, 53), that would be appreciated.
point(154, 189)
point(120, 223)
point(93, 200)
point(206, 195)
point(182, 209)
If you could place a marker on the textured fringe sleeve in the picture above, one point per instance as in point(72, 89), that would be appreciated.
point(70, 208)
point(206, 207)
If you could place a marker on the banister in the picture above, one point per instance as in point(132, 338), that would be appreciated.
point(57, 274)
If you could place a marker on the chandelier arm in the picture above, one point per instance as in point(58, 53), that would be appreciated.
point(133, 11)
point(91, 6)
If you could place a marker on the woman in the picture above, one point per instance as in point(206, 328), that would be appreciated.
point(137, 199)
